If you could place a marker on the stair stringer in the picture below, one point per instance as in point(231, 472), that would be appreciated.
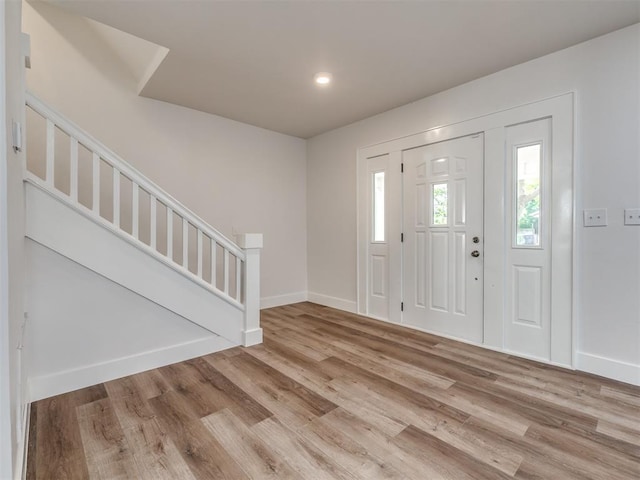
point(65, 230)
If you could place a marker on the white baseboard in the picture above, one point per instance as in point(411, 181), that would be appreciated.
point(333, 302)
point(252, 337)
point(69, 380)
point(279, 300)
point(607, 367)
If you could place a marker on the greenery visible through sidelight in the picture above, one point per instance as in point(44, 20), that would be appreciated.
point(528, 163)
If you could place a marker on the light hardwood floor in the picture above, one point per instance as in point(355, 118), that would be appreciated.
point(331, 395)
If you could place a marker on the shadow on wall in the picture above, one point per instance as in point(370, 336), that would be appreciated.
point(81, 35)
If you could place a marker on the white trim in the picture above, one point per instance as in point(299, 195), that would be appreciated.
point(608, 367)
point(128, 171)
point(66, 381)
point(333, 302)
point(286, 299)
point(577, 206)
point(31, 180)
point(249, 240)
point(5, 344)
point(252, 337)
point(6, 450)
point(59, 228)
point(561, 109)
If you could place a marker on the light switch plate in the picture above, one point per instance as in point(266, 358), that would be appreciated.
point(632, 216)
point(16, 134)
point(596, 217)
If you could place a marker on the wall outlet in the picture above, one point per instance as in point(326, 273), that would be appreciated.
point(632, 216)
point(596, 217)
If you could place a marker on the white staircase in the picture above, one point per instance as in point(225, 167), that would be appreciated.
point(86, 204)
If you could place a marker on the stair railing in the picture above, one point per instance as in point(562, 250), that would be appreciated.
point(225, 273)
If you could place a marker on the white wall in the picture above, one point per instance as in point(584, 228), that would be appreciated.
point(235, 176)
point(222, 160)
point(11, 246)
point(605, 74)
point(75, 344)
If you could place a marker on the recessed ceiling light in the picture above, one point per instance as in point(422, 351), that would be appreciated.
point(322, 78)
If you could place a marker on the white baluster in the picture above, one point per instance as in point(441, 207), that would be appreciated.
point(73, 169)
point(96, 183)
point(238, 279)
point(185, 243)
point(51, 138)
point(199, 253)
point(169, 233)
point(152, 221)
point(214, 252)
point(226, 271)
point(116, 197)
point(135, 210)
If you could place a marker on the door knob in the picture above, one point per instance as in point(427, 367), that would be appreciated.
point(475, 253)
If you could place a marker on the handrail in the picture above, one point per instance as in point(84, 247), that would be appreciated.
point(129, 171)
point(120, 168)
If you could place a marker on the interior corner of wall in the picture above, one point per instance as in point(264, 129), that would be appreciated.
point(152, 67)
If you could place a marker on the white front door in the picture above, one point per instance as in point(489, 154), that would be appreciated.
point(443, 240)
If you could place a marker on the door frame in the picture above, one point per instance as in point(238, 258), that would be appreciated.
point(561, 110)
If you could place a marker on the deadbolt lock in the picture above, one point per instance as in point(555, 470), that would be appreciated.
point(476, 239)
point(475, 253)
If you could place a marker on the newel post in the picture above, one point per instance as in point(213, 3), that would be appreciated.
point(251, 243)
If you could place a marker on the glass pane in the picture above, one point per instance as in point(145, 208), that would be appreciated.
point(527, 222)
point(440, 203)
point(378, 207)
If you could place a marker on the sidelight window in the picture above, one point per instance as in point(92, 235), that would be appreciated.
point(527, 208)
point(378, 207)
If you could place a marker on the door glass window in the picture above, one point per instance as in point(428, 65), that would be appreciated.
point(378, 207)
point(527, 208)
point(440, 203)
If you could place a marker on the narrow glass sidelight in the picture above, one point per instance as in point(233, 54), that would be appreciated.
point(378, 207)
point(527, 208)
point(440, 203)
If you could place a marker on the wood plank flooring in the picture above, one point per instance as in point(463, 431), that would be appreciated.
point(331, 395)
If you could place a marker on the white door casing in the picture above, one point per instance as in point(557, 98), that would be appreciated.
point(443, 216)
point(497, 227)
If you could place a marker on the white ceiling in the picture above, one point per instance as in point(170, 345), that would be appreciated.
point(254, 61)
